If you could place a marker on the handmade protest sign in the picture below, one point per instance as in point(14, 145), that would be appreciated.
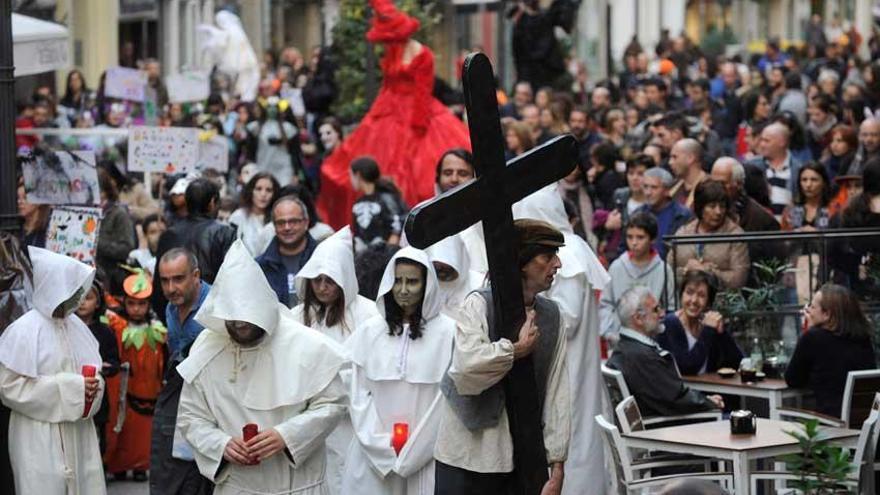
point(188, 86)
point(73, 231)
point(61, 178)
point(163, 149)
point(125, 83)
point(213, 153)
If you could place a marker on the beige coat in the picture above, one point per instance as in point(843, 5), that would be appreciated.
point(729, 261)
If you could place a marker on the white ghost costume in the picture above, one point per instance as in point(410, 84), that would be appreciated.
point(288, 381)
point(572, 290)
point(334, 258)
point(453, 252)
point(53, 449)
point(396, 379)
point(227, 46)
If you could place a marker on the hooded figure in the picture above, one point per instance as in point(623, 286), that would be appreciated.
point(452, 252)
point(396, 380)
point(334, 259)
point(285, 381)
point(572, 291)
point(227, 47)
point(52, 443)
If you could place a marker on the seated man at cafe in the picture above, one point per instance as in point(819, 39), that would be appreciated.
point(650, 371)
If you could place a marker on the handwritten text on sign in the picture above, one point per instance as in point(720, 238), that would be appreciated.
point(163, 149)
point(61, 178)
point(73, 231)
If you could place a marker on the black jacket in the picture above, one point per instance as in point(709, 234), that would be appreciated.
point(653, 380)
point(207, 238)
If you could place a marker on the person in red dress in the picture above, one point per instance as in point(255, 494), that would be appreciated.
point(406, 129)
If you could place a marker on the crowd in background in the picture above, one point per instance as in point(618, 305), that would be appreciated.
point(681, 141)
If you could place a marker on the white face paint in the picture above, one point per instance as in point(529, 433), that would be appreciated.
point(329, 137)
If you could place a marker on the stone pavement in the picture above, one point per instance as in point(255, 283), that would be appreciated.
point(128, 488)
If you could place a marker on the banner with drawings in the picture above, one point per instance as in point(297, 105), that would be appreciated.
point(163, 149)
point(175, 150)
point(188, 86)
point(125, 83)
point(73, 231)
point(61, 178)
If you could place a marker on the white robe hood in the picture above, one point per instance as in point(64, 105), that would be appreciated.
point(453, 252)
point(334, 258)
point(428, 357)
point(25, 343)
point(546, 204)
point(295, 363)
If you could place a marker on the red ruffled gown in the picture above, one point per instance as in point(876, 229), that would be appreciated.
point(406, 131)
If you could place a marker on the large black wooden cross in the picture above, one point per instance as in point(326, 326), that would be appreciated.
point(488, 199)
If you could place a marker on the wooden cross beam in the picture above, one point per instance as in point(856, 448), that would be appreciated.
point(489, 198)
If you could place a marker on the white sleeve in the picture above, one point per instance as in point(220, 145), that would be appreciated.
point(557, 406)
point(419, 448)
point(477, 363)
point(305, 432)
point(374, 441)
point(52, 398)
point(199, 428)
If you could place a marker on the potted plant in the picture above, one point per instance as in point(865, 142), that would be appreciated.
point(820, 467)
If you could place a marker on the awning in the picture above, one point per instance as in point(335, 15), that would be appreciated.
point(38, 46)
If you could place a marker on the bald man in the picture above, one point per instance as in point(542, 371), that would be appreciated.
point(869, 146)
point(686, 162)
point(745, 211)
point(779, 165)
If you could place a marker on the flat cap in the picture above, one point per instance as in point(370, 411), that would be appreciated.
point(531, 232)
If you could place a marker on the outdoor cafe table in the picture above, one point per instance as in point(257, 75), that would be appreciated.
point(713, 439)
point(771, 389)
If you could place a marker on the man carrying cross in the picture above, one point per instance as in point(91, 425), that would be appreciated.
point(506, 426)
point(474, 449)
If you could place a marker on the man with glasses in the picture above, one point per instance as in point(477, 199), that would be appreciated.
point(289, 250)
point(650, 372)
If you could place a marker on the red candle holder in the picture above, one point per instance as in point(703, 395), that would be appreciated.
point(248, 432)
point(399, 435)
point(90, 372)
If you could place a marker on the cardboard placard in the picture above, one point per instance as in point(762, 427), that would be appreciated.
point(163, 149)
point(188, 86)
point(61, 178)
point(73, 231)
point(214, 153)
point(125, 83)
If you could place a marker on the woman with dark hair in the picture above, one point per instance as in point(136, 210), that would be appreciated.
point(695, 334)
point(36, 220)
point(330, 304)
point(839, 340)
point(378, 215)
point(398, 360)
point(858, 254)
point(132, 193)
point(252, 216)
point(77, 96)
point(603, 176)
point(811, 209)
point(330, 136)
point(115, 235)
point(729, 261)
point(756, 110)
point(841, 150)
point(822, 119)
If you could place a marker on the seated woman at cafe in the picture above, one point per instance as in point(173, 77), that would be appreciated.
point(695, 334)
point(729, 261)
point(838, 341)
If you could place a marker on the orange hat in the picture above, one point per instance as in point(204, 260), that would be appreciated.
point(666, 67)
point(138, 285)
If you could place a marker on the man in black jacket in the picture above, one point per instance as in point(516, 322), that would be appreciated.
point(199, 232)
point(650, 371)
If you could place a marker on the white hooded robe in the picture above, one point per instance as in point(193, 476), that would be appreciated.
point(52, 448)
point(572, 290)
point(334, 258)
point(396, 379)
point(288, 381)
point(453, 252)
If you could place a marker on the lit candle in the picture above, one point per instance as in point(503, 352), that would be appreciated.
point(399, 436)
point(88, 371)
point(248, 432)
